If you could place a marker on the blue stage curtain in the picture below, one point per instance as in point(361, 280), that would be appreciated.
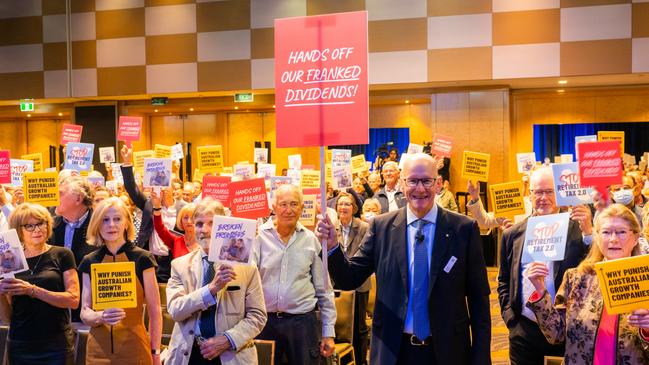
point(400, 138)
point(555, 139)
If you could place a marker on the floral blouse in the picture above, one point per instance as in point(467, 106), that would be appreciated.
point(574, 319)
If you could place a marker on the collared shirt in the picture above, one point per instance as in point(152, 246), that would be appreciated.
point(70, 227)
point(392, 203)
point(429, 234)
point(291, 274)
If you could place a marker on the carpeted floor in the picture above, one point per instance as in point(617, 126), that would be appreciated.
point(499, 333)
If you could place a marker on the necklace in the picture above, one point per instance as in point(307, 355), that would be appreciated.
point(31, 271)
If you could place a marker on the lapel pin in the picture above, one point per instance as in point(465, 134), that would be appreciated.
point(447, 235)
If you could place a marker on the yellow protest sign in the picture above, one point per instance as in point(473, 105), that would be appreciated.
point(162, 151)
point(475, 165)
point(210, 158)
point(328, 174)
point(42, 188)
point(227, 170)
point(328, 156)
point(358, 164)
point(624, 283)
point(37, 158)
point(113, 285)
point(612, 136)
point(507, 199)
point(138, 160)
point(198, 175)
point(310, 179)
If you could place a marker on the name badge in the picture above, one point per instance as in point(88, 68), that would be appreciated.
point(449, 264)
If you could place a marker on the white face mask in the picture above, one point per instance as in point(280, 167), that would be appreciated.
point(369, 216)
point(623, 196)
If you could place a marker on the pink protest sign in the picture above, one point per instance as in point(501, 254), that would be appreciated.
point(321, 83)
point(600, 165)
point(442, 145)
point(5, 167)
point(248, 199)
point(71, 133)
point(217, 187)
point(129, 128)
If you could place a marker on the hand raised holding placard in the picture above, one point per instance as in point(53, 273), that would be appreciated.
point(536, 273)
point(473, 190)
point(582, 215)
point(224, 275)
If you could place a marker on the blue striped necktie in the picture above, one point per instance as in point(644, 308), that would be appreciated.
point(421, 322)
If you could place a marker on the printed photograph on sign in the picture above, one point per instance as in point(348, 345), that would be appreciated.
point(295, 162)
point(113, 285)
point(78, 156)
point(12, 254)
point(232, 239)
point(116, 169)
point(177, 152)
point(18, 169)
point(266, 170)
point(261, 155)
point(244, 171)
point(568, 191)
point(545, 238)
point(341, 168)
point(624, 283)
point(106, 154)
point(525, 161)
point(157, 172)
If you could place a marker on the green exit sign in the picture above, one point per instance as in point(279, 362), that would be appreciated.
point(26, 105)
point(244, 98)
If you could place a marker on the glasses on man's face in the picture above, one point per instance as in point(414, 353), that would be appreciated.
point(31, 227)
point(540, 192)
point(620, 234)
point(427, 182)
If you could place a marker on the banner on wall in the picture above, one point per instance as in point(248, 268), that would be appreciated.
point(321, 82)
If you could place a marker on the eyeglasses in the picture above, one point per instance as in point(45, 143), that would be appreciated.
point(621, 234)
point(31, 227)
point(540, 193)
point(427, 183)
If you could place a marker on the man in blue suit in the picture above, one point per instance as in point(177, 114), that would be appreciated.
point(432, 298)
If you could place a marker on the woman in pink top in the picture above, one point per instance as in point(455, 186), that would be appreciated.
point(578, 316)
point(178, 245)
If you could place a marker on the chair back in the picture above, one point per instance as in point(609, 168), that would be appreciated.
point(344, 315)
point(371, 300)
point(265, 352)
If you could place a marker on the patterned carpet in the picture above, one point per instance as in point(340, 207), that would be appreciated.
point(499, 333)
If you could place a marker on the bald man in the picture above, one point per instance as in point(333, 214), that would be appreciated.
point(432, 304)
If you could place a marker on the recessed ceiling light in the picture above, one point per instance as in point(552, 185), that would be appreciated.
point(155, 110)
point(29, 115)
point(561, 90)
point(563, 82)
point(60, 114)
point(191, 109)
point(273, 106)
point(407, 101)
point(236, 108)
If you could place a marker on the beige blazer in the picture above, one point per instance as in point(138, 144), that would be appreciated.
point(240, 313)
point(356, 234)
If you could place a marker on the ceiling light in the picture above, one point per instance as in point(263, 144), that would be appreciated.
point(407, 101)
point(191, 109)
point(29, 115)
point(155, 110)
point(563, 82)
point(273, 106)
point(561, 90)
point(60, 114)
point(236, 108)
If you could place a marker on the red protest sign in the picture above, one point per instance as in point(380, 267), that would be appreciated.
point(321, 87)
point(217, 187)
point(129, 128)
point(71, 133)
point(442, 145)
point(600, 165)
point(5, 167)
point(248, 199)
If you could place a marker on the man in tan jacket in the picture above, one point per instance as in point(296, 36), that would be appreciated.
point(218, 309)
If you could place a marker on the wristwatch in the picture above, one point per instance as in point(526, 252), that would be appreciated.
point(155, 351)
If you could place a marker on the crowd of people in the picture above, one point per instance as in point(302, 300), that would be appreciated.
point(400, 225)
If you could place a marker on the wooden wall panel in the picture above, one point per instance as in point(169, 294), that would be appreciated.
point(14, 137)
point(41, 134)
point(243, 130)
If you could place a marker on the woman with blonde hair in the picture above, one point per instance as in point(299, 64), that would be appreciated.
point(118, 336)
point(178, 245)
point(578, 316)
point(36, 301)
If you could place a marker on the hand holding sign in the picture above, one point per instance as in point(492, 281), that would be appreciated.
point(224, 275)
point(536, 273)
point(112, 316)
point(127, 155)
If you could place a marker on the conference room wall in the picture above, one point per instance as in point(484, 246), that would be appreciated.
point(610, 105)
point(23, 136)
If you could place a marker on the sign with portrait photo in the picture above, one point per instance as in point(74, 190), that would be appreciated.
point(157, 172)
point(232, 239)
point(12, 255)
